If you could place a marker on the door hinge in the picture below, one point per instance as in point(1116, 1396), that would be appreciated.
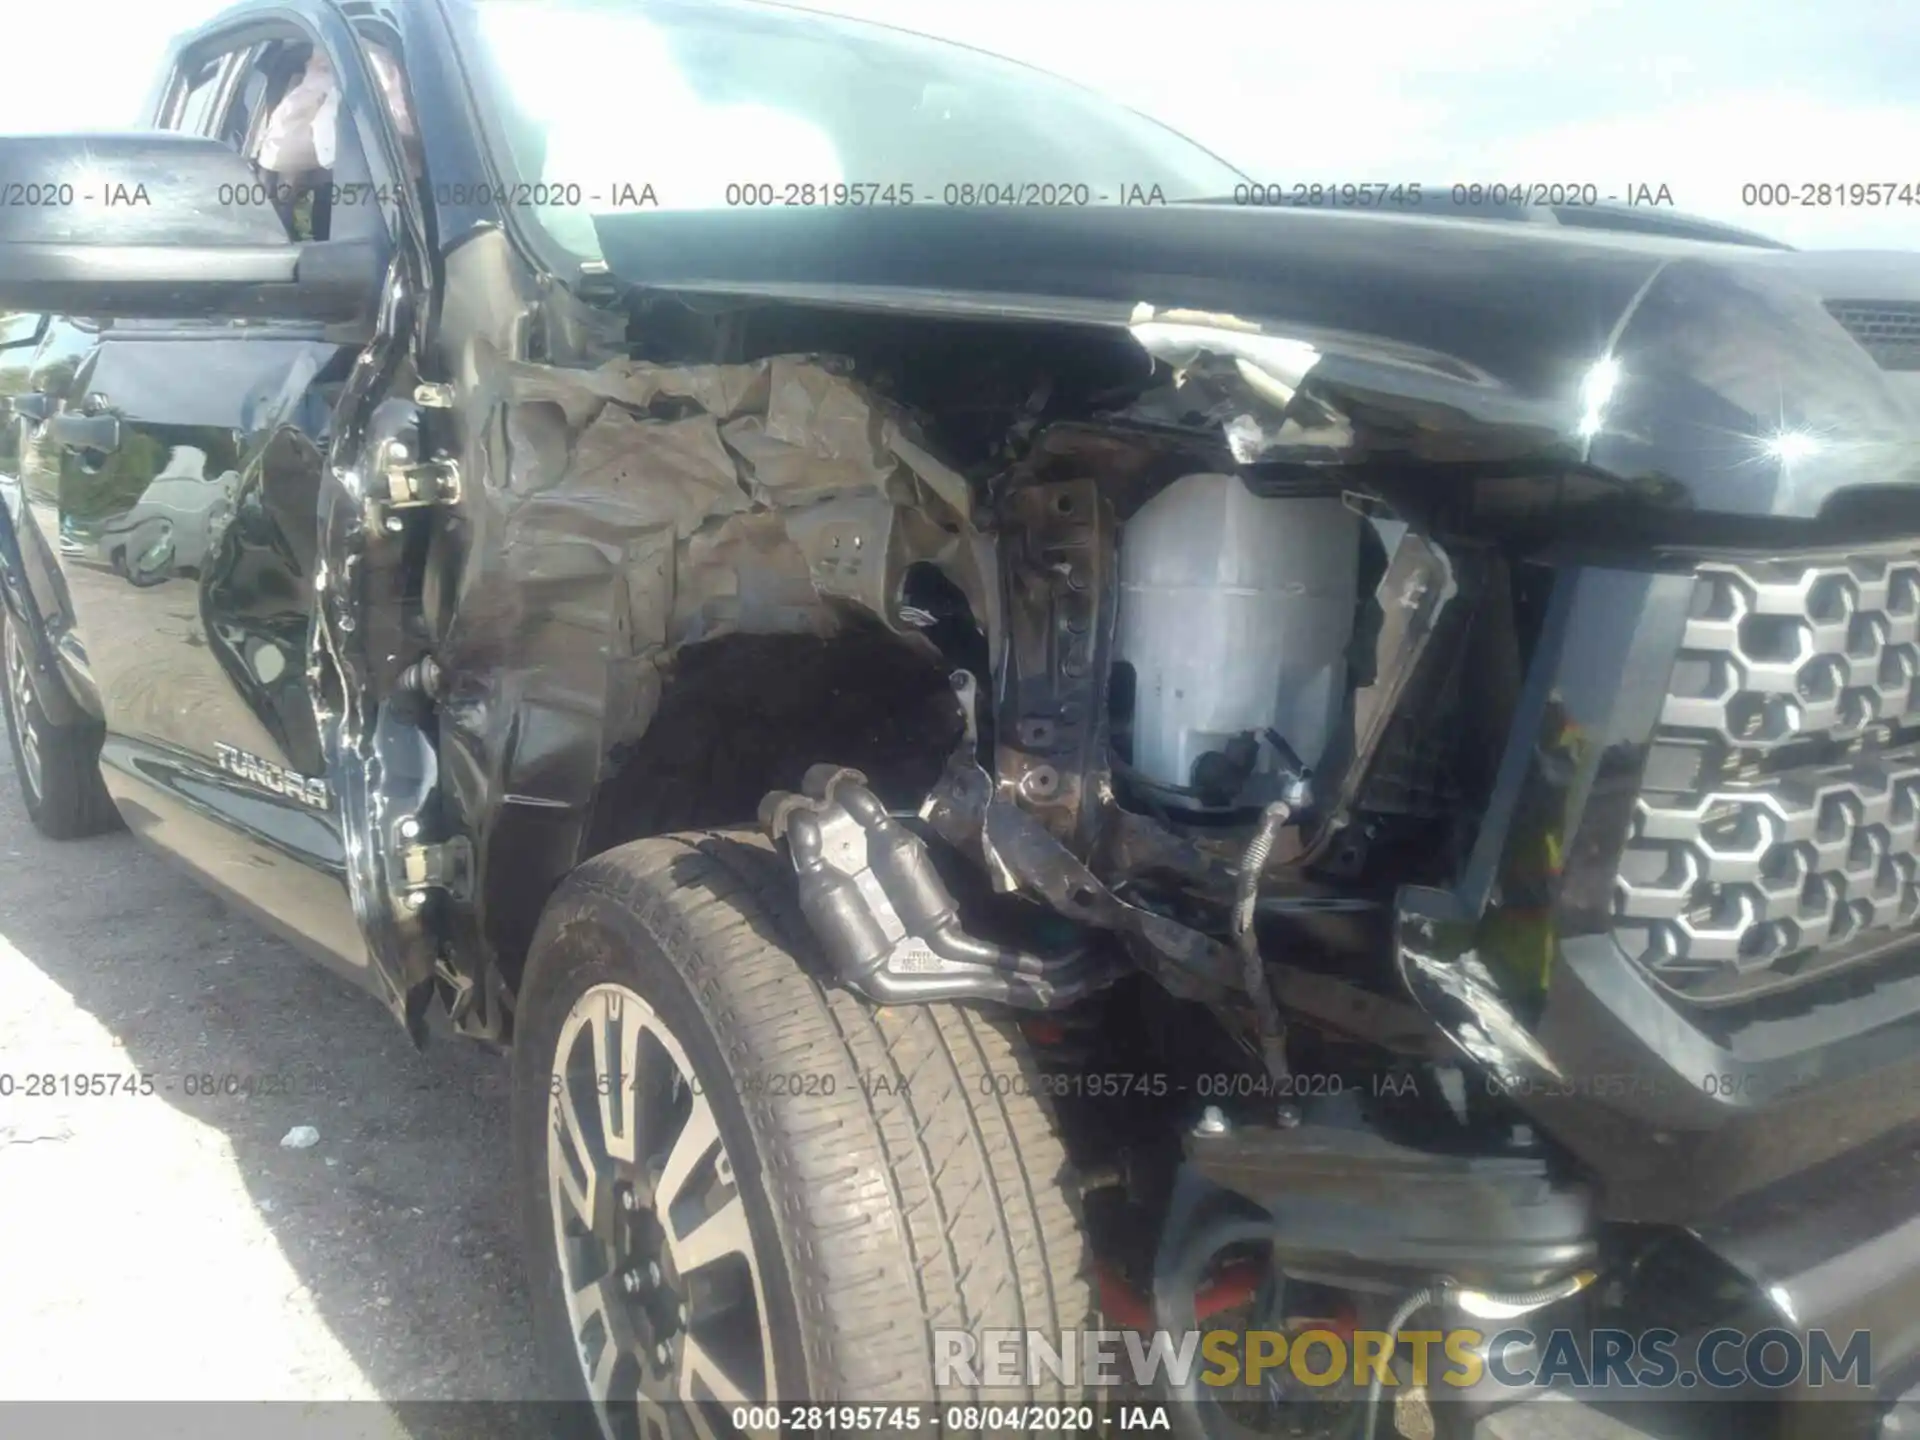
point(446, 865)
point(409, 483)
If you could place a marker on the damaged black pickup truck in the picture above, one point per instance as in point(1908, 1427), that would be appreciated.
point(1004, 760)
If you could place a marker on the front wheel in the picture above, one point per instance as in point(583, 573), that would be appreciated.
point(740, 1185)
point(58, 766)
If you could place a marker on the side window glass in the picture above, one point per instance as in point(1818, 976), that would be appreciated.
point(16, 356)
point(194, 109)
point(286, 118)
point(267, 76)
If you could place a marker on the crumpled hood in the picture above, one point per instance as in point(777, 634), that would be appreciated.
point(1697, 375)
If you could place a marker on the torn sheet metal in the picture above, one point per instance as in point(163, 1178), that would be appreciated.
point(1272, 364)
point(1301, 396)
point(1247, 381)
point(680, 504)
point(615, 519)
point(1453, 985)
point(721, 391)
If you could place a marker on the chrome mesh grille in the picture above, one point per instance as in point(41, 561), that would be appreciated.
point(1777, 833)
point(1786, 650)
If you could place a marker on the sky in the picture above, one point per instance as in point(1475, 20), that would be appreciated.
point(1702, 96)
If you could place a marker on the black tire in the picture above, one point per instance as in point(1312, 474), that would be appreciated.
point(64, 794)
point(913, 1182)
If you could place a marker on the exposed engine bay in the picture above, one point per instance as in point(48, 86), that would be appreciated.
point(1228, 704)
point(1122, 665)
point(1371, 758)
point(1098, 711)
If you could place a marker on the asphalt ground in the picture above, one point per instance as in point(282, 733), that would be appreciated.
point(166, 1245)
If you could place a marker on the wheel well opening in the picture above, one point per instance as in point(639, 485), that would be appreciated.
point(746, 714)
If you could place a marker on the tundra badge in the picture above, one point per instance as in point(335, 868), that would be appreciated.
point(308, 790)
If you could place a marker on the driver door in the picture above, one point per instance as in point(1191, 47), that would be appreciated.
point(183, 484)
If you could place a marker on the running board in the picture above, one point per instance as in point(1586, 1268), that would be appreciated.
point(887, 921)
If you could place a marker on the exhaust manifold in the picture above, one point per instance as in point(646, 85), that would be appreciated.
point(885, 918)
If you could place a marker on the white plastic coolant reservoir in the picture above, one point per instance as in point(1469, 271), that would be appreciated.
point(1235, 612)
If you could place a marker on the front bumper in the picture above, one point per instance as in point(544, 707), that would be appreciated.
point(1902, 1422)
point(1834, 1250)
point(1837, 1248)
point(1680, 1103)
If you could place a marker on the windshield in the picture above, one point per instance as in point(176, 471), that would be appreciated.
point(617, 105)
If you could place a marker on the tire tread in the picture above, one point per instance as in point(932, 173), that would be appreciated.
point(73, 803)
point(915, 1196)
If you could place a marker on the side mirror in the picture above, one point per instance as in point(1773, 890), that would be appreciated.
point(153, 225)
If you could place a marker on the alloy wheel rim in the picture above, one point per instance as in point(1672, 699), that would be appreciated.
point(19, 690)
point(663, 1287)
